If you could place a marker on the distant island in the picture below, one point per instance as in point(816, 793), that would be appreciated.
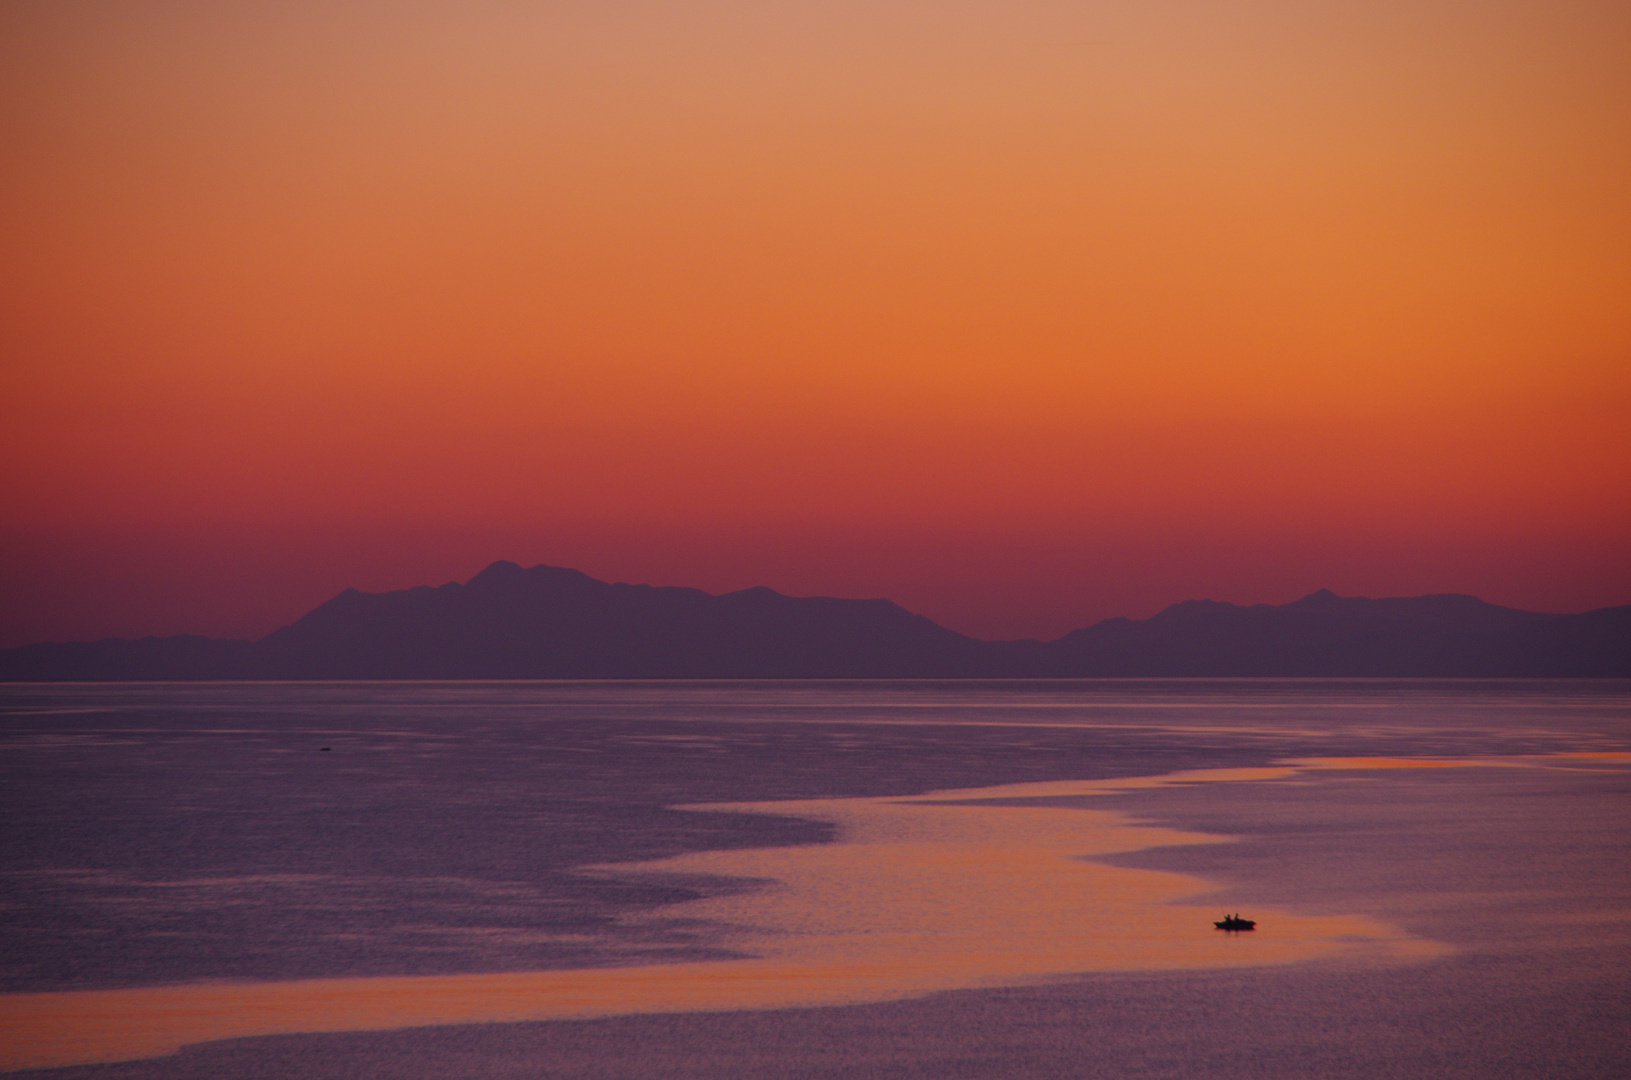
point(548, 622)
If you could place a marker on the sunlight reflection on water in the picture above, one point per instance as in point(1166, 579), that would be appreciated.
point(918, 895)
point(181, 866)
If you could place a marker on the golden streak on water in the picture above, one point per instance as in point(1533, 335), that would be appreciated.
point(1339, 763)
point(1617, 757)
point(918, 895)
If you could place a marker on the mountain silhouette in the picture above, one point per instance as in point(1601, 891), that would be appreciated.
point(553, 623)
point(1324, 634)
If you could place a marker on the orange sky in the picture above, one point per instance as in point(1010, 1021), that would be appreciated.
point(1023, 314)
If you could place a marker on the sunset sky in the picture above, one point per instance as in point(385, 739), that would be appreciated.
point(1020, 313)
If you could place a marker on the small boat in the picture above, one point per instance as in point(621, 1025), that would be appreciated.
point(1235, 922)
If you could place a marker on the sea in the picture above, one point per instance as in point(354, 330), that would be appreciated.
point(869, 879)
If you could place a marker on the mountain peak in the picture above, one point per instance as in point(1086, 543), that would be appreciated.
point(497, 571)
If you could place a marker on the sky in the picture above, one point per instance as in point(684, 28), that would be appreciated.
point(1023, 314)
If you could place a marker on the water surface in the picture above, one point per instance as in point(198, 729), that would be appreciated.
point(167, 836)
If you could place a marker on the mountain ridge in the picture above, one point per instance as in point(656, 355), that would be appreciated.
point(549, 622)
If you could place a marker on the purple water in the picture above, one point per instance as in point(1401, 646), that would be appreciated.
point(160, 834)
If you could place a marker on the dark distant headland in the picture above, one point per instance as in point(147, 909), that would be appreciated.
point(553, 623)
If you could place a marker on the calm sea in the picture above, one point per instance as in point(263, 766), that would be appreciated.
point(166, 835)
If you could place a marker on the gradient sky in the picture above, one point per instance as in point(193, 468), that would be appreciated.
point(1022, 314)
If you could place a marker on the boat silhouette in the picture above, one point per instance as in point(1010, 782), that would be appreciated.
point(1235, 922)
